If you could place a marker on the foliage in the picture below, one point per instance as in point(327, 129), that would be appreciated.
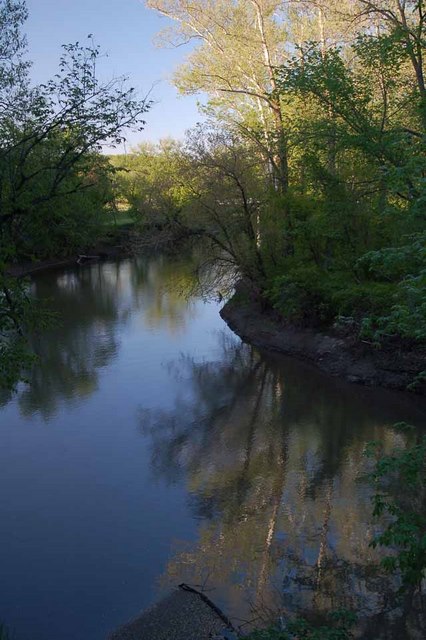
point(54, 182)
point(407, 317)
point(405, 533)
point(210, 188)
point(311, 296)
point(149, 181)
point(353, 120)
point(344, 235)
point(51, 172)
point(339, 628)
point(307, 179)
point(238, 46)
point(404, 265)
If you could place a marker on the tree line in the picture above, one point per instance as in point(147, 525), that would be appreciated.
point(307, 175)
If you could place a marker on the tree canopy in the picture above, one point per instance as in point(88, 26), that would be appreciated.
point(54, 182)
point(325, 101)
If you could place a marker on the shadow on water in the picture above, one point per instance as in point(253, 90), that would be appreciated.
point(272, 453)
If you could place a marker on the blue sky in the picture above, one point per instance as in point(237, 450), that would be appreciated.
point(125, 30)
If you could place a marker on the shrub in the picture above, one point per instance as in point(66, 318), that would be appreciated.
point(301, 296)
point(339, 628)
point(406, 317)
point(405, 534)
point(311, 296)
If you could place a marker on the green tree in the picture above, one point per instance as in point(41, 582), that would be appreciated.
point(239, 44)
point(149, 180)
point(52, 178)
point(406, 21)
point(368, 208)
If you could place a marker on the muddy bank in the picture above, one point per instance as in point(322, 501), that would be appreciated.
point(118, 245)
point(395, 366)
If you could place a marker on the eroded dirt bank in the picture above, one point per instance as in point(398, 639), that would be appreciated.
point(395, 365)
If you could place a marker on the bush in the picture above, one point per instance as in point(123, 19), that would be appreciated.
point(359, 299)
point(394, 263)
point(405, 533)
point(311, 296)
point(339, 628)
point(406, 317)
point(301, 296)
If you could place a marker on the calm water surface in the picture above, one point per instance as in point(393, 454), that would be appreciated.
point(152, 448)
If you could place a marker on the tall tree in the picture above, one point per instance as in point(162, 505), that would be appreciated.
point(50, 141)
point(406, 21)
point(239, 44)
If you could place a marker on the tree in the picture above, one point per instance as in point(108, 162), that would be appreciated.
point(323, 93)
point(149, 179)
point(240, 44)
point(50, 139)
point(227, 191)
point(406, 21)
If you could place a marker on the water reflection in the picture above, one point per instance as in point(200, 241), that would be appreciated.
point(82, 341)
point(166, 290)
point(272, 454)
point(92, 305)
point(256, 461)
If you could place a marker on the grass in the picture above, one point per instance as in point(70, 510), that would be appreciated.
point(120, 220)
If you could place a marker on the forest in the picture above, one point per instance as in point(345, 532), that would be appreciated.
point(307, 175)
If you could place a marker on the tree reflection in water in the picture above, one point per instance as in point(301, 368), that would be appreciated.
point(272, 454)
point(90, 304)
point(81, 341)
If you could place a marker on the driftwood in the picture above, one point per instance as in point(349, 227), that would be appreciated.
point(82, 258)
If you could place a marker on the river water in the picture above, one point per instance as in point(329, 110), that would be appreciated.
point(152, 447)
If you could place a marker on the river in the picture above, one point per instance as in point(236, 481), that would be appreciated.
point(152, 447)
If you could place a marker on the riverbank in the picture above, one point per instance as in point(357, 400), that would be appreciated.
point(120, 242)
point(394, 365)
point(116, 244)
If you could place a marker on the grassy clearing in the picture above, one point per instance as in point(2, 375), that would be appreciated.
point(122, 219)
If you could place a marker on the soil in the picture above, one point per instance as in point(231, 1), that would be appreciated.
point(395, 365)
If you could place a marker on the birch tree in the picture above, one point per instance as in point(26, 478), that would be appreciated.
point(239, 45)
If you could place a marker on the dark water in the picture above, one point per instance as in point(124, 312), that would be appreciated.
point(152, 448)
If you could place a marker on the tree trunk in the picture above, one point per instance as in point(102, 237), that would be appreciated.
point(281, 153)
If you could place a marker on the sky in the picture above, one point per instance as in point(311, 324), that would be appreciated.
point(125, 30)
